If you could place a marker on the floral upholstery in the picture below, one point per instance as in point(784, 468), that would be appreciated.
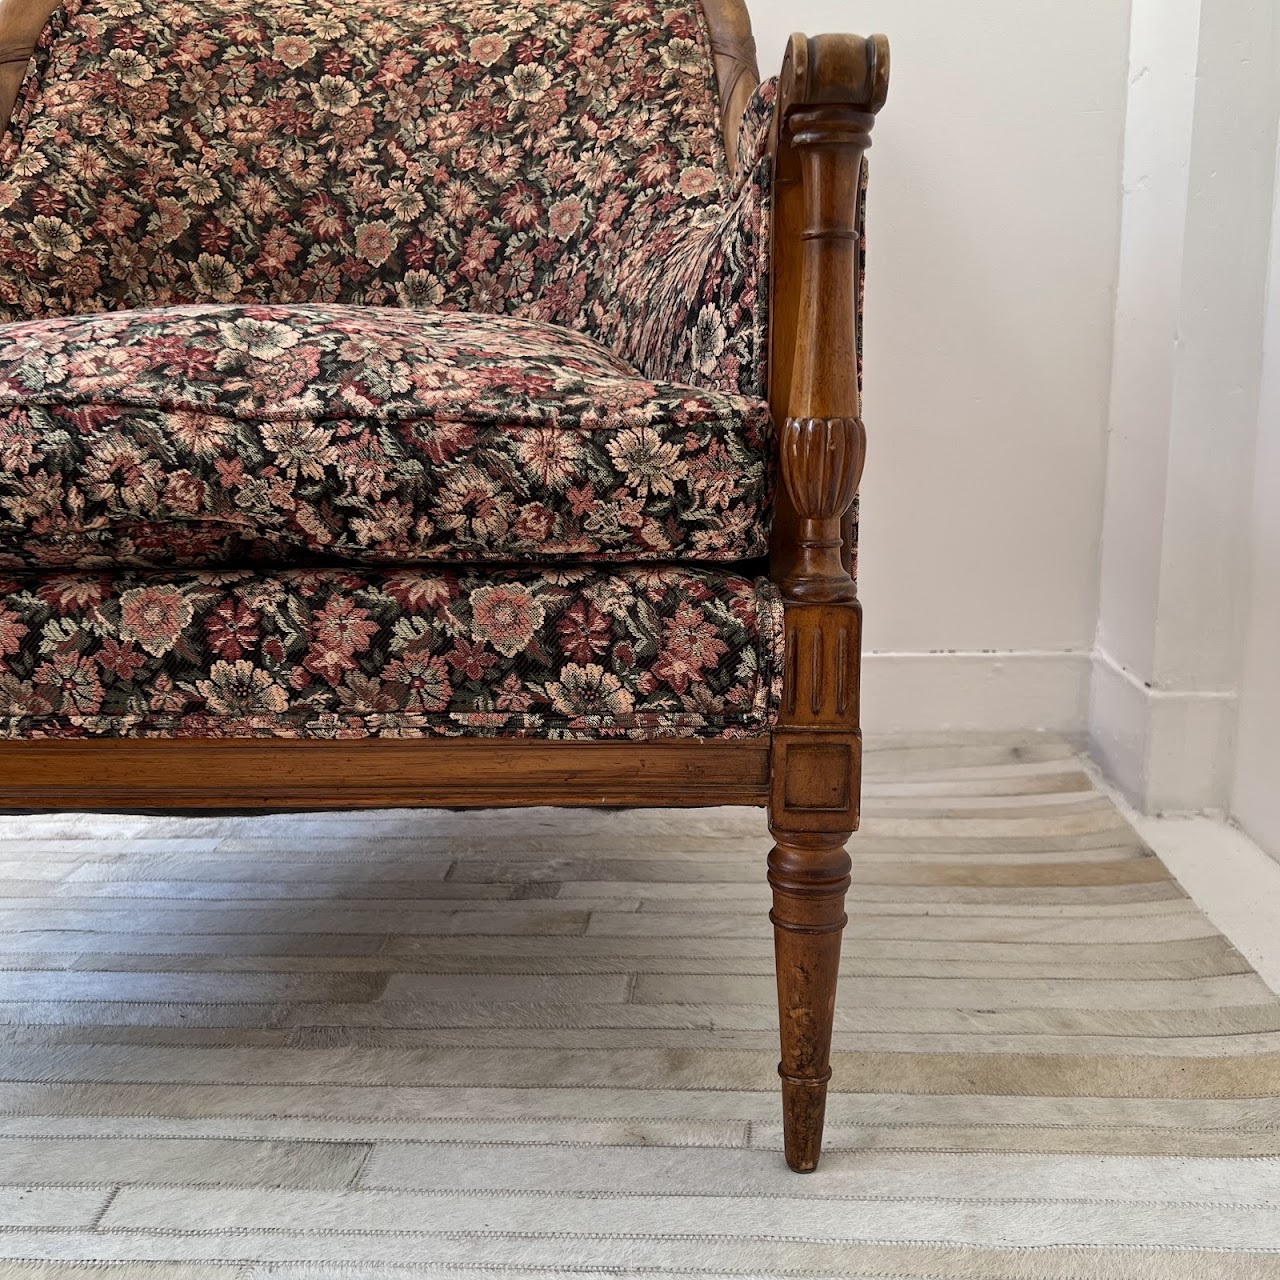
point(569, 653)
point(754, 129)
point(559, 160)
point(221, 435)
point(383, 285)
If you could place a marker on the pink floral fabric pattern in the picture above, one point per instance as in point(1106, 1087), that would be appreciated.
point(216, 435)
point(305, 295)
point(569, 653)
point(754, 130)
point(559, 160)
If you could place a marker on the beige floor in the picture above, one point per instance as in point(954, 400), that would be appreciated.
point(541, 1044)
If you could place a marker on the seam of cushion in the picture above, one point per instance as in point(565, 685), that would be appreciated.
point(619, 368)
point(725, 418)
point(108, 523)
point(358, 558)
point(337, 721)
point(635, 720)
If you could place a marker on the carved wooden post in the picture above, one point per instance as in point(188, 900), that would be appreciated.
point(832, 86)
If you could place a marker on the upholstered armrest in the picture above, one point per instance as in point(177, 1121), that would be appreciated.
point(689, 303)
point(764, 296)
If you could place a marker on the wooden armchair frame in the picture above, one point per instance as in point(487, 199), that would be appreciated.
point(808, 771)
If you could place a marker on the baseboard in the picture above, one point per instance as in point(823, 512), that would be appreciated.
point(1169, 750)
point(977, 691)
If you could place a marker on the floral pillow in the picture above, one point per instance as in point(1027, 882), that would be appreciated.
point(559, 160)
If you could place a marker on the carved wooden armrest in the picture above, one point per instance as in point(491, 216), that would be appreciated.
point(830, 90)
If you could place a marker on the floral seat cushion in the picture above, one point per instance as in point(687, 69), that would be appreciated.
point(267, 435)
point(328, 653)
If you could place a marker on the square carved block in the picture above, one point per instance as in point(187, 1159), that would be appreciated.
point(816, 781)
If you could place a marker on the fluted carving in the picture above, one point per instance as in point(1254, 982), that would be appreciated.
point(821, 668)
point(821, 461)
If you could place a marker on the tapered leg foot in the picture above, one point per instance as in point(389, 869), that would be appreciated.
point(804, 1108)
point(809, 874)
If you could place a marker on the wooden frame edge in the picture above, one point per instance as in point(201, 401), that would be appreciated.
point(134, 774)
point(829, 91)
point(733, 48)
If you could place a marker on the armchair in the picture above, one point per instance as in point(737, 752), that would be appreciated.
point(439, 405)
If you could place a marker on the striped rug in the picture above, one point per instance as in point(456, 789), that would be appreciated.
point(541, 1044)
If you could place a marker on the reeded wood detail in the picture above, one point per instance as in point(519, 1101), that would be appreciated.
point(821, 461)
point(821, 668)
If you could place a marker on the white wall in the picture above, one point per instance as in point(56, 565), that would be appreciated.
point(1256, 793)
point(1199, 190)
point(1071, 508)
point(993, 226)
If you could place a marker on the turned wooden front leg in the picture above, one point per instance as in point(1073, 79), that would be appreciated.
point(816, 767)
point(809, 874)
point(816, 773)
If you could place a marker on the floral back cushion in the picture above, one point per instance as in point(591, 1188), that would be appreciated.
point(524, 157)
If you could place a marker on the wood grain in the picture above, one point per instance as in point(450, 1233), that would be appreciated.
point(737, 71)
point(192, 773)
